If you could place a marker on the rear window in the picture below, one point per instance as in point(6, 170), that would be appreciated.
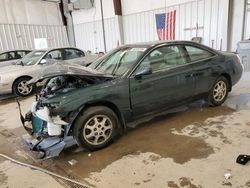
point(196, 54)
point(73, 53)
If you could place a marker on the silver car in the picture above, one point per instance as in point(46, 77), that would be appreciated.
point(13, 78)
point(11, 56)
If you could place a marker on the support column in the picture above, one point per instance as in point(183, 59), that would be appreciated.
point(118, 19)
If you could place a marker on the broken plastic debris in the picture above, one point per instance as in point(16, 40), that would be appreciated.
point(72, 162)
point(227, 175)
point(243, 159)
point(89, 155)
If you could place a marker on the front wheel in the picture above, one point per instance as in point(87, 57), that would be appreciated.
point(219, 92)
point(21, 88)
point(96, 127)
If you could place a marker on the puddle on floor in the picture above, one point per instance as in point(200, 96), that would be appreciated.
point(153, 136)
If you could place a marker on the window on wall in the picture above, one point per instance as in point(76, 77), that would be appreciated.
point(196, 54)
point(163, 58)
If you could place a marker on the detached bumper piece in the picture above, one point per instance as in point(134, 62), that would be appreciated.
point(48, 147)
point(38, 139)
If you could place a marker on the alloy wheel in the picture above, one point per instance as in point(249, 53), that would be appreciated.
point(23, 88)
point(220, 91)
point(98, 129)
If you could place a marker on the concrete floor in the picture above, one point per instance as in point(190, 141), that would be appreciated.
point(193, 148)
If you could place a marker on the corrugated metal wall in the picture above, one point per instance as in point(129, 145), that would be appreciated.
point(141, 27)
point(210, 15)
point(18, 36)
point(89, 36)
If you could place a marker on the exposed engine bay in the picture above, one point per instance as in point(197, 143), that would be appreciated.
point(66, 83)
point(49, 129)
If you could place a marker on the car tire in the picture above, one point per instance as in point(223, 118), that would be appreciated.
point(20, 89)
point(96, 128)
point(219, 92)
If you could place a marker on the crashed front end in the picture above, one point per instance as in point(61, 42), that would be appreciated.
point(48, 123)
point(48, 135)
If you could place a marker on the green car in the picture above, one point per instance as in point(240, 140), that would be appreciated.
point(92, 105)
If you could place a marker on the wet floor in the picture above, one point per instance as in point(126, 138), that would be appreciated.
point(154, 136)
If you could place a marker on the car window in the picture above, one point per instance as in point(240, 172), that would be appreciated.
point(20, 54)
point(118, 62)
point(54, 55)
point(163, 58)
point(196, 54)
point(11, 55)
point(73, 53)
point(31, 58)
point(3, 57)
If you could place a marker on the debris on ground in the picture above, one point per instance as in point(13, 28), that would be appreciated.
point(227, 175)
point(72, 162)
point(243, 159)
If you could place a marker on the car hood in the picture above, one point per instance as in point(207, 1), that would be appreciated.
point(60, 69)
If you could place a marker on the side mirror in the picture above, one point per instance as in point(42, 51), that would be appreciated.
point(43, 61)
point(143, 72)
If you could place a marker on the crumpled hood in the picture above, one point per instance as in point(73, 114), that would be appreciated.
point(61, 68)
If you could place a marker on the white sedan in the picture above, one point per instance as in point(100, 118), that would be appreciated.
point(13, 78)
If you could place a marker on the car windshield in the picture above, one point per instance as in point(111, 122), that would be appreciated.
point(31, 58)
point(119, 61)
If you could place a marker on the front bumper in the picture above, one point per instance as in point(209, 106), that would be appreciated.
point(38, 139)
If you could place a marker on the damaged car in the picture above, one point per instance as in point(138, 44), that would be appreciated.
point(92, 105)
point(13, 78)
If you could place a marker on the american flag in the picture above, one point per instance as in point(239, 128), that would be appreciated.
point(165, 24)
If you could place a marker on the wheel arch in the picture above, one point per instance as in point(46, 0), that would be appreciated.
point(228, 77)
point(107, 104)
point(23, 76)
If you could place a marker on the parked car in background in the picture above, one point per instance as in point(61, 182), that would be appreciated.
point(10, 57)
point(93, 104)
point(13, 78)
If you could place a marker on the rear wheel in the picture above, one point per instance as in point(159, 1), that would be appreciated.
point(96, 127)
point(219, 92)
point(21, 88)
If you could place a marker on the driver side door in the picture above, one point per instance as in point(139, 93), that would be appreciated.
point(167, 85)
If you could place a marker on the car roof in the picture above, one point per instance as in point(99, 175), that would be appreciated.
point(152, 44)
point(5, 51)
point(159, 42)
point(58, 48)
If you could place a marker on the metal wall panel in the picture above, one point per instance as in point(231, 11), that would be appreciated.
point(89, 36)
point(208, 14)
point(140, 27)
point(19, 36)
